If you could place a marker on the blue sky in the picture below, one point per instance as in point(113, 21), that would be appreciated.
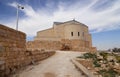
point(101, 16)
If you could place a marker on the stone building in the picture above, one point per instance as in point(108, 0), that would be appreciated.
point(71, 34)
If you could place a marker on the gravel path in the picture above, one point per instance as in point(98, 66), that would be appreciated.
point(59, 65)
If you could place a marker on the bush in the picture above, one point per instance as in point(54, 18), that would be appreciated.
point(96, 64)
point(108, 73)
point(116, 49)
point(117, 58)
point(89, 55)
point(104, 55)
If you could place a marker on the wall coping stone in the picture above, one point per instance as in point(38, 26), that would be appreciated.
point(82, 68)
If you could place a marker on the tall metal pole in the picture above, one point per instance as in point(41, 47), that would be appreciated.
point(17, 20)
point(17, 17)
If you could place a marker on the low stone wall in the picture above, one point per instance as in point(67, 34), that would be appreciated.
point(83, 69)
point(31, 57)
point(86, 63)
point(37, 55)
point(64, 44)
point(13, 53)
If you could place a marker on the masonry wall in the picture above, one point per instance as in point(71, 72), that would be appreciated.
point(12, 46)
point(63, 31)
point(48, 34)
point(13, 53)
point(75, 33)
point(59, 31)
point(75, 28)
point(75, 45)
point(46, 45)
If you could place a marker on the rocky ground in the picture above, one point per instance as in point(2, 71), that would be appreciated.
point(59, 65)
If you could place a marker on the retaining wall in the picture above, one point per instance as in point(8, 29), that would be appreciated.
point(13, 53)
point(64, 44)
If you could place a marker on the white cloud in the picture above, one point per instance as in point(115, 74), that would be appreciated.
point(14, 4)
point(40, 19)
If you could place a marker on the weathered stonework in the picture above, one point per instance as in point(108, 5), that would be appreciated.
point(75, 45)
point(72, 35)
point(12, 46)
point(13, 53)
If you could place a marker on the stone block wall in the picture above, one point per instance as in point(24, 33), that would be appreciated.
point(74, 45)
point(13, 53)
point(47, 45)
point(37, 55)
point(12, 46)
point(86, 63)
point(94, 49)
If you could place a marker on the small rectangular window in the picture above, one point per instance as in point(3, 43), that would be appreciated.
point(71, 33)
point(78, 33)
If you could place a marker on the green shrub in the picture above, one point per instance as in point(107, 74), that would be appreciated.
point(104, 55)
point(117, 58)
point(96, 64)
point(116, 49)
point(108, 73)
point(89, 55)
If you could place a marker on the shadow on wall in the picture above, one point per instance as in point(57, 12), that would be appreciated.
point(65, 47)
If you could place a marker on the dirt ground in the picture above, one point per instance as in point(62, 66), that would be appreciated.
point(59, 65)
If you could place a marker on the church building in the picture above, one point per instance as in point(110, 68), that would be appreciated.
point(71, 35)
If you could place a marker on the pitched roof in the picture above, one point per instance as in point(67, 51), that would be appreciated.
point(58, 23)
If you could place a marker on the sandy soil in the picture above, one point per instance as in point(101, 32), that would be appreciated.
point(59, 65)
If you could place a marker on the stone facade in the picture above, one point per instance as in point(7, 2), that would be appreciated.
point(66, 30)
point(72, 34)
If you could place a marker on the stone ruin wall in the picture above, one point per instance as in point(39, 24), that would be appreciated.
point(12, 46)
point(43, 45)
point(73, 45)
point(13, 53)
